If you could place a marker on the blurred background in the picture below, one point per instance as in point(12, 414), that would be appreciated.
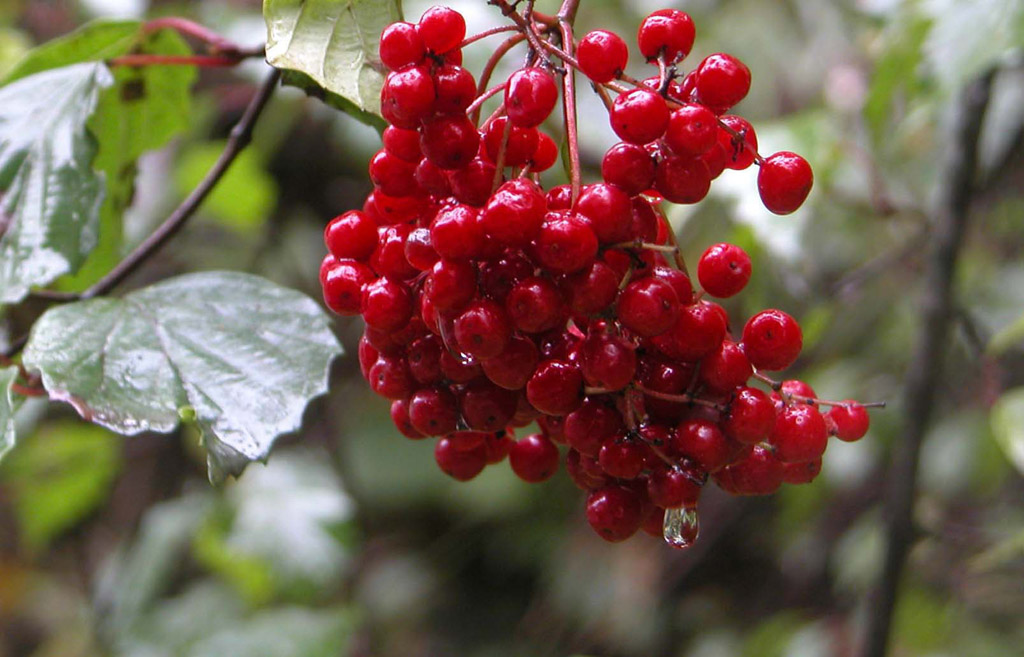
point(351, 541)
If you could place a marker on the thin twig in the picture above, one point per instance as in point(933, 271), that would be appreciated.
point(925, 371)
point(566, 15)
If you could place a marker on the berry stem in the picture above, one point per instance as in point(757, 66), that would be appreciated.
point(677, 253)
point(26, 391)
point(486, 33)
point(474, 107)
point(202, 61)
point(679, 399)
point(650, 246)
point(566, 16)
point(218, 43)
point(499, 164)
point(492, 61)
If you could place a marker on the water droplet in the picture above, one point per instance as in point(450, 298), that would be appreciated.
point(681, 528)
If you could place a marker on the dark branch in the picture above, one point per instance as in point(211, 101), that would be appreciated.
point(937, 315)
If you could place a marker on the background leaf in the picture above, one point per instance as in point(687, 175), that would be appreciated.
point(329, 49)
point(51, 195)
point(58, 477)
point(236, 352)
point(1007, 419)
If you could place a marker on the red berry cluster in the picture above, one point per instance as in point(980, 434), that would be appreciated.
point(491, 304)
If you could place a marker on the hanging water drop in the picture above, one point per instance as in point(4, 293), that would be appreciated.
point(681, 527)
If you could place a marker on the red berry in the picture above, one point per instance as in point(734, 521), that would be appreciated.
point(514, 366)
point(639, 116)
point(387, 305)
point(343, 286)
point(799, 434)
point(593, 289)
point(607, 361)
point(451, 285)
point(629, 167)
point(849, 421)
point(419, 252)
point(442, 29)
point(698, 331)
point(622, 458)
point(692, 130)
point(556, 387)
point(472, 183)
point(407, 97)
point(666, 32)
point(403, 144)
point(390, 377)
point(772, 340)
point(784, 181)
point(401, 45)
point(683, 180)
point(723, 270)
point(530, 95)
point(722, 81)
point(515, 213)
point(520, 145)
point(456, 233)
point(566, 243)
point(545, 155)
point(801, 473)
point(584, 471)
point(725, 369)
point(534, 458)
point(672, 488)
point(483, 329)
point(454, 89)
point(535, 305)
point(458, 464)
point(648, 307)
point(400, 417)
point(602, 55)
point(499, 276)
point(433, 411)
point(750, 417)
point(615, 512)
point(590, 425)
point(759, 473)
point(702, 442)
point(450, 142)
point(486, 407)
point(740, 144)
point(610, 212)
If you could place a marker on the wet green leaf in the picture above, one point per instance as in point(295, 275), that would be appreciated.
point(49, 194)
point(244, 353)
point(329, 49)
point(142, 111)
point(59, 476)
point(8, 405)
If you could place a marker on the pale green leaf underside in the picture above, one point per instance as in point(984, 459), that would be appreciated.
point(1007, 417)
point(49, 195)
point(235, 352)
point(333, 44)
point(8, 405)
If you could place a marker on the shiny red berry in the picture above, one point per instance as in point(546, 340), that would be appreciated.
point(602, 55)
point(784, 181)
point(772, 340)
point(723, 270)
point(666, 32)
point(533, 458)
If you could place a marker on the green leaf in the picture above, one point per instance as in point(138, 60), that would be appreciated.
point(49, 208)
point(244, 196)
point(59, 476)
point(329, 49)
point(1007, 418)
point(243, 353)
point(142, 111)
point(8, 405)
point(896, 71)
